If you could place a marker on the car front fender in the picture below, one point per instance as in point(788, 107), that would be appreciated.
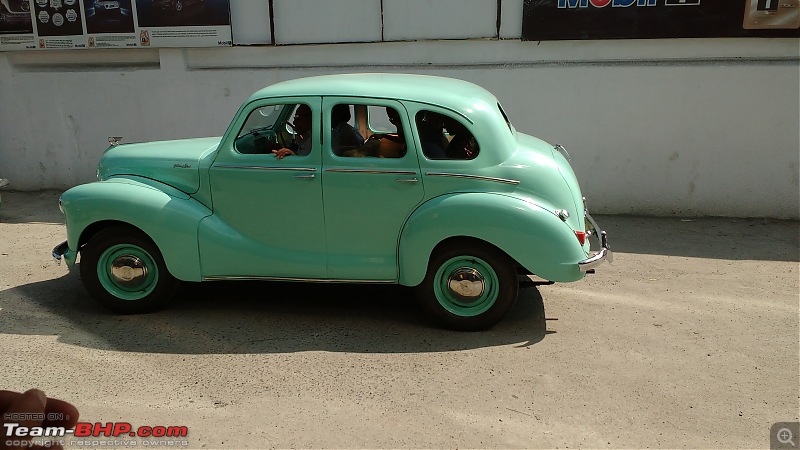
point(528, 233)
point(168, 216)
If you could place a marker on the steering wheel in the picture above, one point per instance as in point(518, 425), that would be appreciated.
point(282, 131)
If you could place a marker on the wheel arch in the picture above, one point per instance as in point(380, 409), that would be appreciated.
point(168, 217)
point(465, 241)
point(95, 227)
point(532, 237)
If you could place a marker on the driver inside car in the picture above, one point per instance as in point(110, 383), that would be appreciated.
point(302, 124)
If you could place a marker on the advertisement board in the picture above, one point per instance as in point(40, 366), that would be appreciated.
point(654, 19)
point(93, 24)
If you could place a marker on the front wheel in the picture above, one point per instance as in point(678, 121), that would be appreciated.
point(124, 271)
point(469, 286)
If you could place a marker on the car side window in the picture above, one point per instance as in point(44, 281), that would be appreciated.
point(384, 131)
point(270, 128)
point(445, 137)
point(382, 120)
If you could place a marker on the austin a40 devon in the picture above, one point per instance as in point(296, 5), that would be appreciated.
point(366, 178)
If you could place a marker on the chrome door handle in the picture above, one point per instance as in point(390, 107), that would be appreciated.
point(309, 176)
point(406, 180)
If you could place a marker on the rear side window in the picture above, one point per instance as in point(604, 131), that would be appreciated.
point(381, 120)
point(445, 137)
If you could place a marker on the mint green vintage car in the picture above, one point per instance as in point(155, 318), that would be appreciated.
point(363, 178)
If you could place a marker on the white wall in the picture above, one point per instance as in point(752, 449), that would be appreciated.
point(314, 21)
point(252, 22)
point(688, 127)
point(440, 19)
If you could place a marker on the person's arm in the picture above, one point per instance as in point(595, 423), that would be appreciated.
point(286, 151)
point(283, 152)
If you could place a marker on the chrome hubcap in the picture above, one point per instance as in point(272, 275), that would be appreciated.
point(128, 271)
point(466, 283)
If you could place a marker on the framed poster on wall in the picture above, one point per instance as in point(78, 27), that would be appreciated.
point(71, 24)
point(656, 19)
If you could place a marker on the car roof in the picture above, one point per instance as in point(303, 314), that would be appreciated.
point(451, 93)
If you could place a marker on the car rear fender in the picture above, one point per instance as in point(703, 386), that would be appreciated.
point(534, 237)
point(168, 216)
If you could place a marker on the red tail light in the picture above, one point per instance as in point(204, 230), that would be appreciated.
point(581, 236)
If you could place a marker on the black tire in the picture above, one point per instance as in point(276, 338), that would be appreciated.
point(469, 285)
point(139, 281)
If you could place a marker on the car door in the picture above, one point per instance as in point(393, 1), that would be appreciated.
point(367, 198)
point(267, 216)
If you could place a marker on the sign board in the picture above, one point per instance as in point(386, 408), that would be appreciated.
point(71, 24)
point(653, 19)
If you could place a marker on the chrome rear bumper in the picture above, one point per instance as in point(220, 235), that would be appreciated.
point(603, 255)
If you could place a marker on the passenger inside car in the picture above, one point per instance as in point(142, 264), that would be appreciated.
point(443, 137)
point(343, 136)
point(430, 127)
point(389, 144)
point(462, 143)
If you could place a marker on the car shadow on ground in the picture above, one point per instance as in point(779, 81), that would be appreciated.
point(709, 237)
point(260, 317)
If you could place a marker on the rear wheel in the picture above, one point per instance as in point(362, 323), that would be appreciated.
point(124, 271)
point(469, 286)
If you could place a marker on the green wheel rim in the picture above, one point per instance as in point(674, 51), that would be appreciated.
point(127, 272)
point(477, 295)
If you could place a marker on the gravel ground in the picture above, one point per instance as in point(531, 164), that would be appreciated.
point(690, 339)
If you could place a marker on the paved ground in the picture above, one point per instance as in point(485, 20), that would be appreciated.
point(689, 340)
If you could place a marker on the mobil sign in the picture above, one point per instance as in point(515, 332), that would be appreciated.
point(623, 3)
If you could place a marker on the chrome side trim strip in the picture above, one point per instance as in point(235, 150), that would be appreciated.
point(304, 280)
point(296, 169)
point(473, 177)
point(389, 172)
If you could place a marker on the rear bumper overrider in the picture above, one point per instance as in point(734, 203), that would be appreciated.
point(604, 255)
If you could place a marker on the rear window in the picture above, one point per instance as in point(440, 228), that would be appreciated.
point(445, 137)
